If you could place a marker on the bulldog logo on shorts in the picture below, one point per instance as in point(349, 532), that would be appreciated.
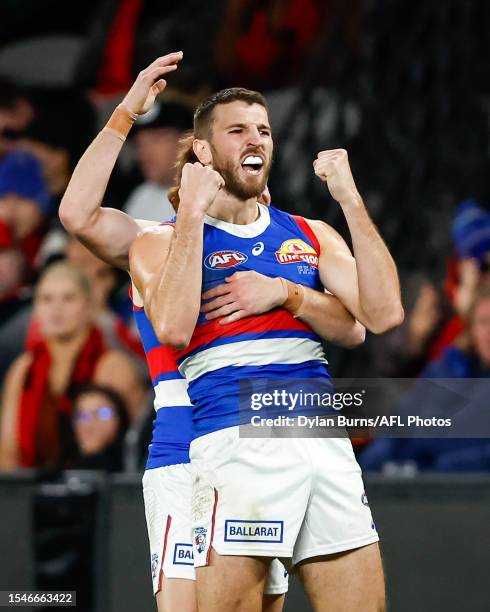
point(200, 538)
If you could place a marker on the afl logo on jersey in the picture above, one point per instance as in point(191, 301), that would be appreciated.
point(297, 251)
point(224, 259)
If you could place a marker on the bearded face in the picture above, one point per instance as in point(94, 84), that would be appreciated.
point(244, 178)
point(241, 148)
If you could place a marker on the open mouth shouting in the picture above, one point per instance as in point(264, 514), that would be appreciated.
point(253, 164)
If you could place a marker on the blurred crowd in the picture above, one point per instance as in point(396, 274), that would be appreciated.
point(75, 389)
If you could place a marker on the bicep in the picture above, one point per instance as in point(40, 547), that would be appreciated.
point(337, 268)
point(110, 236)
point(148, 255)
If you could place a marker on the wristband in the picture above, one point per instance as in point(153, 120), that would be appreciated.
point(296, 296)
point(120, 122)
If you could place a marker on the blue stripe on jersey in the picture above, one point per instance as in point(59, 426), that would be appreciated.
point(164, 449)
point(217, 393)
point(145, 328)
point(166, 376)
point(172, 426)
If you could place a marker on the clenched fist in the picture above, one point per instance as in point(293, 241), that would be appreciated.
point(333, 168)
point(149, 84)
point(199, 187)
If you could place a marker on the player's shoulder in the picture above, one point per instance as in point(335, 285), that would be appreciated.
point(152, 231)
point(149, 241)
point(323, 231)
point(144, 224)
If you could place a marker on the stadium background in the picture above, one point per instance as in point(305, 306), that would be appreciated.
point(404, 88)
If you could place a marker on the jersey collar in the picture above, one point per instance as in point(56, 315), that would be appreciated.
point(251, 230)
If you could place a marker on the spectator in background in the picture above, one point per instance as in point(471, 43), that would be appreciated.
point(35, 412)
point(470, 362)
point(12, 276)
point(16, 112)
point(24, 201)
point(103, 279)
point(23, 328)
point(56, 139)
point(156, 138)
point(100, 422)
point(437, 319)
point(36, 120)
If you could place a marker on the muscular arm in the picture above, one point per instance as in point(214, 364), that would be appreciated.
point(250, 293)
point(327, 316)
point(108, 232)
point(165, 266)
point(166, 262)
point(367, 283)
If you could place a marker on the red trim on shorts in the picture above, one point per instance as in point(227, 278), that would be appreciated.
point(167, 529)
point(305, 226)
point(213, 520)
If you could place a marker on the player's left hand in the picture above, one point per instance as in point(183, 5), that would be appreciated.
point(333, 168)
point(241, 295)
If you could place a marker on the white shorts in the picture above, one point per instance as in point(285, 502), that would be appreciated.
point(167, 496)
point(294, 498)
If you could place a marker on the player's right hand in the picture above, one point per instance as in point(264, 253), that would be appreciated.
point(149, 83)
point(199, 187)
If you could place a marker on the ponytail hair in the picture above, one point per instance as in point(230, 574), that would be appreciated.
point(185, 155)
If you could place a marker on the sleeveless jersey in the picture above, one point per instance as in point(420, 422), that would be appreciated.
point(271, 345)
point(172, 427)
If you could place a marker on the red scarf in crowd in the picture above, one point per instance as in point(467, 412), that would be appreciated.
point(35, 389)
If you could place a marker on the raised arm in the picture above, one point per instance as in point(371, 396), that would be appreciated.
point(106, 231)
point(367, 284)
point(165, 262)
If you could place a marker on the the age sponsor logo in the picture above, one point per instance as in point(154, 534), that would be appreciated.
point(254, 531)
point(297, 251)
point(183, 554)
point(220, 260)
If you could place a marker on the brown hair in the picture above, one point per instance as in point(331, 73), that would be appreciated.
point(203, 129)
point(204, 116)
point(70, 270)
point(185, 156)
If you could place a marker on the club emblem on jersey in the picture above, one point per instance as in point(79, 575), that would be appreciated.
point(297, 251)
point(200, 538)
point(224, 259)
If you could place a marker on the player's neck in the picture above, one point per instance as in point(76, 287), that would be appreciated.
point(228, 208)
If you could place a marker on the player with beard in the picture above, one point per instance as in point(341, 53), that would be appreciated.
point(257, 499)
point(109, 234)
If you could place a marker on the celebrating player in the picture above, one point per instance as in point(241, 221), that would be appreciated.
point(257, 499)
point(109, 233)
